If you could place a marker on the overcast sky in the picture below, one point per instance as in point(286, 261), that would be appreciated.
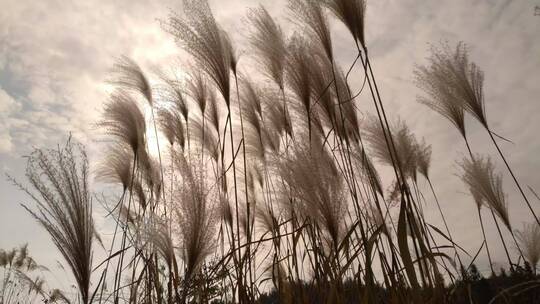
point(55, 57)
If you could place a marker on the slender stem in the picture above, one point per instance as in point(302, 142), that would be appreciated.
point(444, 221)
point(159, 156)
point(485, 240)
point(110, 251)
point(248, 207)
point(502, 240)
point(513, 177)
point(125, 228)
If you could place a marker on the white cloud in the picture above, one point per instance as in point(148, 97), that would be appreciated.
point(8, 105)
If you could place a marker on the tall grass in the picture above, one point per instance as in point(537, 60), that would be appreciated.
point(59, 189)
point(265, 185)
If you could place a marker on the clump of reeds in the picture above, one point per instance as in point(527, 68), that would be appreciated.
point(316, 184)
point(455, 85)
point(297, 192)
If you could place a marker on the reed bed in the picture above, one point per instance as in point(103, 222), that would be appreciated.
point(267, 184)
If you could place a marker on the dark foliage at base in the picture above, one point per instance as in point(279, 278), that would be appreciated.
point(521, 285)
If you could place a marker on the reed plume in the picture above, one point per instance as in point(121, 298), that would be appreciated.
point(404, 143)
point(117, 166)
point(159, 234)
point(485, 185)
point(271, 140)
point(251, 98)
point(209, 141)
point(268, 41)
point(150, 170)
point(59, 182)
point(231, 51)
point(19, 259)
point(172, 126)
point(268, 220)
point(374, 132)
point(423, 158)
point(278, 118)
point(195, 216)
point(465, 81)
point(529, 239)
point(313, 208)
point(129, 75)
point(213, 112)
point(310, 13)
point(19, 284)
point(407, 149)
point(58, 296)
point(123, 120)
point(299, 74)
point(433, 79)
point(140, 194)
point(198, 89)
point(174, 95)
point(314, 180)
point(346, 104)
point(369, 172)
point(321, 75)
point(225, 211)
point(377, 219)
point(352, 14)
point(202, 38)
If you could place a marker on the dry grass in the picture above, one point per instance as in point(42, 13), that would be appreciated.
point(296, 204)
point(529, 240)
point(485, 185)
point(59, 189)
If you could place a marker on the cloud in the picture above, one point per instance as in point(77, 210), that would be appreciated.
point(8, 105)
point(54, 61)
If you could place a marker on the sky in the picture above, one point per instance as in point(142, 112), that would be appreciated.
point(55, 58)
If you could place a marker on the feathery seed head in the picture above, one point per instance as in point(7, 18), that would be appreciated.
point(59, 179)
point(117, 166)
point(423, 158)
point(485, 185)
point(437, 80)
point(352, 14)
point(202, 38)
point(313, 17)
point(315, 181)
point(529, 240)
point(172, 126)
point(299, 72)
point(198, 89)
point(124, 120)
point(268, 41)
point(129, 75)
point(195, 215)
